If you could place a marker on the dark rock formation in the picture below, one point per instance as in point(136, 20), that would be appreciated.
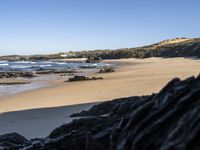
point(93, 59)
point(106, 70)
point(164, 121)
point(16, 74)
point(12, 141)
point(47, 71)
point(83, 78)
point(14, 83)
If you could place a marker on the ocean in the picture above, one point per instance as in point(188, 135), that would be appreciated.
point(31, 66)
point(40, 81)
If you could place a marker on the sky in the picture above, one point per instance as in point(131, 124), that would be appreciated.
point(50, 26)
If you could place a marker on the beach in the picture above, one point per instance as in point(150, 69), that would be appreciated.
point(133, 77)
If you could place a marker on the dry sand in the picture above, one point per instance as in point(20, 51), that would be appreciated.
point(132, 77)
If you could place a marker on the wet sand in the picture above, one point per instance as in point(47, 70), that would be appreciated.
point(132, 77)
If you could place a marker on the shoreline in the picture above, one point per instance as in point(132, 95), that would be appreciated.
point(31, 112)
point(132, 77)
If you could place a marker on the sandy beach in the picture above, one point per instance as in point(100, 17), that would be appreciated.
point(132, 77)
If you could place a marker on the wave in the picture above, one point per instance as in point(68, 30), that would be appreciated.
point(20, 67)
point(33, 65)
point(44, 66)
point(3, 61)
point(4, 64)
point(24, 62)
point(61, 63)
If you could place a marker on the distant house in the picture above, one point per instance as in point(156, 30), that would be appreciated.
point(66, 55)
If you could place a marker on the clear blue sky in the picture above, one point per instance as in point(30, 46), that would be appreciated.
point(48, 26)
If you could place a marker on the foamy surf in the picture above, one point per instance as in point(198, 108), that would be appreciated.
point(35, 65)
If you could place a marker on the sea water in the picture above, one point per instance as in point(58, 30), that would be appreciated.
point(32, 66)
point(36, 65)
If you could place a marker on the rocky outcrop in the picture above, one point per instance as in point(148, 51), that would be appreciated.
point(52, 71)
point(167, 120)
point(93, 59)
point(12, 141)
point(83, 78)
point(14, 83)
point(106, 70)
point(16, 74)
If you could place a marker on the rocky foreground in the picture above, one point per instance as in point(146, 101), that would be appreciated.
point(167, 120)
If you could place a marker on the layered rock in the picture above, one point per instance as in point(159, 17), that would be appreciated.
point(167, 120)
point(12, 141)
point(16, 74)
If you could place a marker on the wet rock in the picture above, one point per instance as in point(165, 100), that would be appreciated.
point(16, 74)
point(13, 83)
point(106, 70)
point(43, 71)
point(93, 59)
point(83, 78)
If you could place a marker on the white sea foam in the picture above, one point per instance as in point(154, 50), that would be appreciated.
point(32, 65)
point(61, 63)
point(3, 61)
point(45, 66)
point(4, 64)
point(24, 62)
point(20, 67)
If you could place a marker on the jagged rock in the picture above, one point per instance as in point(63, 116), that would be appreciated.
point(167, 120)
point(104, 108)
point(106, 70)
point(83, 78)
point(12, 141)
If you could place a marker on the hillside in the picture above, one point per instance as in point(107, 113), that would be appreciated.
point(178, 47)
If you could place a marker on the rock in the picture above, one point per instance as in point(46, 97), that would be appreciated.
point(102, 108)
point(93, 59)
point(16, 74)
point(13, 83)
point(167, 120)
point(106, 70)
point(83, 78)
point(87, 67)
point(43, 71)
point(12, 141)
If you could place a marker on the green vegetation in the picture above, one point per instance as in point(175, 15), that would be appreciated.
point(179, 47)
